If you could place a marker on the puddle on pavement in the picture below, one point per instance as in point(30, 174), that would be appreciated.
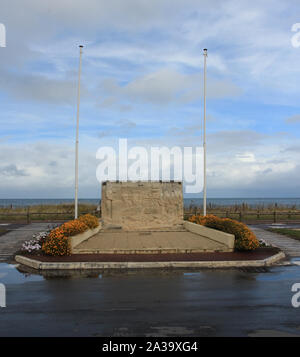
point(272, 333)
point(10, 275)
point(295, 261)
point(282, 225)
point(281, 273)
point(187, 274)
point(19, 274)
point(262, 298)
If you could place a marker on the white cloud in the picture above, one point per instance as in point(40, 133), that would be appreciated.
point(39, 88)
point(45, 169)
point(167, 86)
point(234, 140)
point(150, 53)
point(293, 119)
point(246, 157)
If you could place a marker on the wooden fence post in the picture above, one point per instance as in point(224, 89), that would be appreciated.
point(275, 218)
point(240, 216)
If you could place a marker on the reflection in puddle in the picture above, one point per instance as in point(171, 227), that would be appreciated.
point(113, 273)
point(272, 333)
point(191, 274)
point(59, 274)
point(203, 302)
point(295, 261)
point(19, 274)
point(279, 274)
point(10, 274)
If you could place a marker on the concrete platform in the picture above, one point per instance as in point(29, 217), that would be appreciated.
point(148, 242)
point(40, 265)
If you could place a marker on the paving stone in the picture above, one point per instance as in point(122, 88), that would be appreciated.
point(289, 246)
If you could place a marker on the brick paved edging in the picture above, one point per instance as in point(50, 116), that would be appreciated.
point(33, 263)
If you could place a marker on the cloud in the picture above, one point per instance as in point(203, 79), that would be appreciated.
point(167, 86)
point(12, 171)
point(294, 148)
point(46, 169)
point(147, 57)
point(187, 131)
point(121, 127)
point(246, 157)
point(130, 15)
point(293, 119)
point(232, 177)
point(35, 87)
point(234, 140)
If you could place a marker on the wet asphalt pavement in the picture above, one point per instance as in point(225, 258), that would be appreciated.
point(150, 303)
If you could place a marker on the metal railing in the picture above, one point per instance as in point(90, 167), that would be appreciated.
point(249, 216)
point(29, 216)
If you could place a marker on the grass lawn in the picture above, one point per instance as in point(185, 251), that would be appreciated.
point(287, 232)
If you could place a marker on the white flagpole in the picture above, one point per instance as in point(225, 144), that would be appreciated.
point(204, 134)
point(77, 130)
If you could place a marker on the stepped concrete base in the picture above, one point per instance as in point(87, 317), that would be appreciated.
point(188, 238)
point(147, 218)
point(39, 265)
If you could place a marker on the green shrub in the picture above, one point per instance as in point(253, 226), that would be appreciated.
point(245, 239)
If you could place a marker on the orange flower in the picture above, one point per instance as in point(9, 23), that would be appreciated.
point(245, 239)
point(57, 243)
point(90, 220)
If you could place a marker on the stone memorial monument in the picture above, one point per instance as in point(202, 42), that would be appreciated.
point(147, 218)
point(142, 205)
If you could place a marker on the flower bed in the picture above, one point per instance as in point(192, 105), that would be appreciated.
point(245, 239)
point(56, 242)
point(34, 245)
point(90, 220)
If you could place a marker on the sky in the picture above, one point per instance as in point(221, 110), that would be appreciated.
point(142, 79)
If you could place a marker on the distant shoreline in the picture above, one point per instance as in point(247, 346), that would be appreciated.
point(252, 202)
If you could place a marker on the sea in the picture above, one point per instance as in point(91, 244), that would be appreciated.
point(211, 202)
